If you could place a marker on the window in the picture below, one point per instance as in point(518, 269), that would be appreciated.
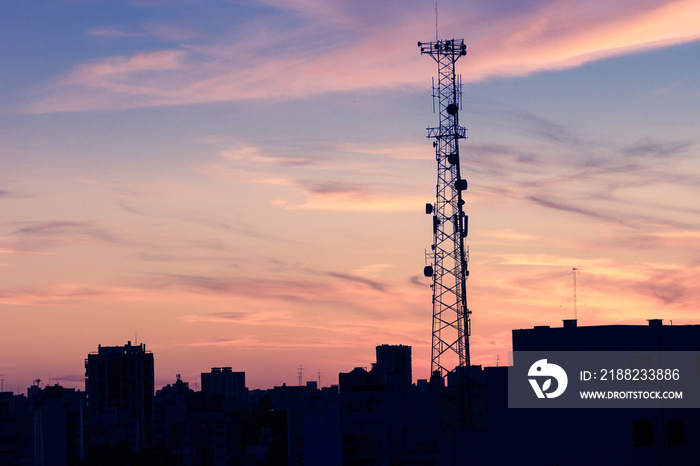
point(643, 433)
point(674, 432)
point(359, 407)
point(359, 444)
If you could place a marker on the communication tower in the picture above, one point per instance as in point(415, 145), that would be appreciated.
point(448, 255)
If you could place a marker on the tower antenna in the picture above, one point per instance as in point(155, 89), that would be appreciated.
point(449, 254)
point(436, 22)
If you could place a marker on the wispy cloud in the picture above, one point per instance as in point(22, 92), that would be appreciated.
point(549, 260)
point(54, 228)
point(165, 257)
point(353, 202)
point(290, 289)
point(252, 154)
point(228, 316)
point(111, 32)
point(59, 293)
point(334, 193)
point(595, 177)
point(652, 240)
point(70, 378)
point(19, 249)
point(372, 270)
point(568, 207)
point(607, 288)
point(347, 52)
point(657, 149)
point(508, 236)
point(232, 342)
point(561, 34)
point(375, 285)
point(239, 227)
point(267, 345)
point(419, 281)
point(36, 237)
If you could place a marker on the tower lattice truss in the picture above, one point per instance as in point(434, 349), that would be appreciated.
point(448, 255)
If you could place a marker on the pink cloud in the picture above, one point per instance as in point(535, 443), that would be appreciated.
point(562, 34)
point(559, 34)
point(108, 71)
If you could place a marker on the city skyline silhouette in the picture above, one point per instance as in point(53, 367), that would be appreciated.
point(373, 416)
point(242, 185)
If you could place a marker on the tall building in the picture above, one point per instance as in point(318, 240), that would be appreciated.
point(384, 419)
point(58, 434)
point(119, 384)
point(395, 361)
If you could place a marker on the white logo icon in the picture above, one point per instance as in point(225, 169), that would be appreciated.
point(544, 369)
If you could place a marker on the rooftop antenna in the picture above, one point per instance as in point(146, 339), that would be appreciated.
point(573, 274)
point(319, 378)
point(301, 373)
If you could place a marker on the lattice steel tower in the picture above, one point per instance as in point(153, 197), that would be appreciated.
point(448, 255)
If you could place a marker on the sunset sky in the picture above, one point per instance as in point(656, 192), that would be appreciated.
point(242, 183)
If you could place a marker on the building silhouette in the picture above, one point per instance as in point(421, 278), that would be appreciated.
point(571, 436)
point(395, 362)
point(222, 381)
point(16, 430)
point(384, 418)
point(119, 385)
point(173, 433)
point(58, 437)
point(571, 337)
